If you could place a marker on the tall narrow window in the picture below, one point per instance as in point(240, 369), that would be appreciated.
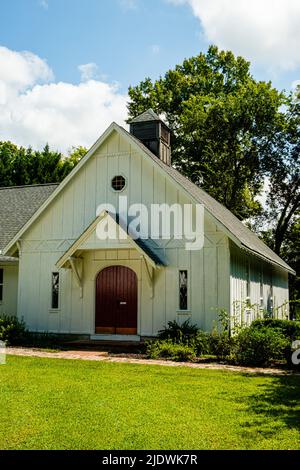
point(261, 283)
point(261, 287)
point(271, 297)
point(55, 290)
point(183, 290)
point(248, 282)
point(1, 284)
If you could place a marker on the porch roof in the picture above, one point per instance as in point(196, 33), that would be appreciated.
point(147, 247)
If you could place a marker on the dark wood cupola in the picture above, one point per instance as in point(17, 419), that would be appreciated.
point(153, 133)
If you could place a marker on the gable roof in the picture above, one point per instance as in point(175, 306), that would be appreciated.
point(234, 228)
point(148, 115)
point(147, 247)
point(17, 205)
point(248, 239)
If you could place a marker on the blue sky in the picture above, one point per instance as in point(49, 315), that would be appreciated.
point(128, 40)
point(82, 55)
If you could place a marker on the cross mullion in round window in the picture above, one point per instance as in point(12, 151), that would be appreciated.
point(118, 183)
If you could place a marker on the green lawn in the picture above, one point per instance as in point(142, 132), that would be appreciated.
point(64, 404)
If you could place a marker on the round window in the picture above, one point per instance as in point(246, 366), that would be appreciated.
point(118, 183)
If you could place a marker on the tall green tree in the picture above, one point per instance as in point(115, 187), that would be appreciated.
point(222, 123)
point(283, 169)
point(280, 221)
point(290, 251)
point(9, 153)
point(20, 166)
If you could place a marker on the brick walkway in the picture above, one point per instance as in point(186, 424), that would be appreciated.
point(135, 359)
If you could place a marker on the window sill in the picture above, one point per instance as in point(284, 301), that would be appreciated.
point(184, 312)
point(54, 310)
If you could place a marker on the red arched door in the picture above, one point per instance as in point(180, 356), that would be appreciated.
point(116, 301)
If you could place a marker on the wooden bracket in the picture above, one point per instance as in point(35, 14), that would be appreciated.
point(78, 277)
point(150, 277)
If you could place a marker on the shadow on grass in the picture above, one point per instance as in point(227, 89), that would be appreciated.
point(277, 406)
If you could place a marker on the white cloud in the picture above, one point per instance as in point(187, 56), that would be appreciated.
point(19, 70)
point(265, 31)
point(88, 71)
point(34, 109)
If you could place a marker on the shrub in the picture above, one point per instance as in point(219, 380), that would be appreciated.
point(12, 330)
point(221, 345)
point(259, 346)
point(178, 332)
point(170, 350)
point(201, 343)
point(290, 329)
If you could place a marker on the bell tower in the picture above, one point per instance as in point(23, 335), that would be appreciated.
point(153, 133)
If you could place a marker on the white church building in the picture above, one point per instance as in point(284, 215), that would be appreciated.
point(60, 276)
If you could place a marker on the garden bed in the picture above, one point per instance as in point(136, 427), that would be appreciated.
point(199, 363)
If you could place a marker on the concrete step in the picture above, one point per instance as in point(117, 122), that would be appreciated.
point(118, 338)
point(111, 346)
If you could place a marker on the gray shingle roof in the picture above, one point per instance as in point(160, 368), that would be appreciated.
point(148, 115)
point(17, 205)
point(247, 238)
point(152, 250)
point(147, 245)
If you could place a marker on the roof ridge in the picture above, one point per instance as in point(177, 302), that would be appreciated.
point(29, 186)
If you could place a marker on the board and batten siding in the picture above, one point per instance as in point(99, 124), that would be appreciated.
point(267, 287)
point(8, 305)
point(73, 210)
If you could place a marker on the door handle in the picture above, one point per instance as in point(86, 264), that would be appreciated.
point(123, 303)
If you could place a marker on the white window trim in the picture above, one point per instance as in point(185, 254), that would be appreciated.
point(179, 310)
point(52, 309)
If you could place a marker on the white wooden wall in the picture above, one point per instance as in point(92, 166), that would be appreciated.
point(72, 212)
point(268, 286)
point(8, 306)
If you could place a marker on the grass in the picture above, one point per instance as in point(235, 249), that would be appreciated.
point(66, 404)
